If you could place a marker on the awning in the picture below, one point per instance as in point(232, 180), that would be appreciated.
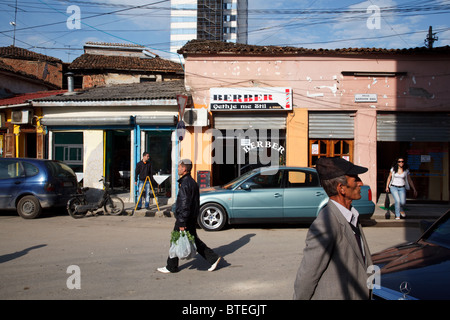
point(115, 120)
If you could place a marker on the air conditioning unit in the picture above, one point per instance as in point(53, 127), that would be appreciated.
point(196, 117)
point(21, 116)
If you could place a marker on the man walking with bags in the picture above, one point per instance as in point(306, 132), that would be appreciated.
point(186, 213)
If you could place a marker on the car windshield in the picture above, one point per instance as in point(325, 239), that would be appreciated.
point(233, 183)
point(440, 234)
point(59, 169)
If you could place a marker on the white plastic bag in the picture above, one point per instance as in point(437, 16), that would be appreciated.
point(183, 248)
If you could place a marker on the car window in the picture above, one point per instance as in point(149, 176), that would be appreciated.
point(11, 169)
point(301, 179)
point(233, 183)
point(30, 169)
point(265, 181)
point(59, 169)
point(441, 234)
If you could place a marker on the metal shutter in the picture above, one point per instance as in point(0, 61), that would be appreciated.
point(331, 125)
point(250, 120)
point(424, 127)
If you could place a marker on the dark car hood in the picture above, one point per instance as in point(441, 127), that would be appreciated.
point(425, 266)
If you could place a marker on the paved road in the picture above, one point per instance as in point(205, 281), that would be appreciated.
point(117, 258)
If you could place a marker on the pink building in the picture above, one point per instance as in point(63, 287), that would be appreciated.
point(366, 105)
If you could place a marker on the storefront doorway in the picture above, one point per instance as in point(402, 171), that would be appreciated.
point(159, 145)
point(238, 151)
point(423, 139)
point(428, 164)
point(118, 159)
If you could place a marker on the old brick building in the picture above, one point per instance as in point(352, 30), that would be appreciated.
point(24, 75)
point(23, 71)
point(112, 63)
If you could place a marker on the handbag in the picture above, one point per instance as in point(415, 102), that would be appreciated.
point(182, 245)
point(387, 204)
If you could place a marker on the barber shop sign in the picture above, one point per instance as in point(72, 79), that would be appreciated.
point(252, 98)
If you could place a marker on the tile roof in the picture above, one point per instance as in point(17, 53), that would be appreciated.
point(135, 91)
point(20, 53)
point(105, 62)
point(220, 47)
point(110, 44)
point(30, 77)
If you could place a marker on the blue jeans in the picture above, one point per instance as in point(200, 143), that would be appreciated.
point(399, 195)
point(145, 194)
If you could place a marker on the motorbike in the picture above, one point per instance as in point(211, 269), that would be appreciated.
point(78, 206)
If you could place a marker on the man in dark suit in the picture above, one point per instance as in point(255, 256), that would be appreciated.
point(336, 256)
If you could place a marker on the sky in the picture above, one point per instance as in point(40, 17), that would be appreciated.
point(49, 27)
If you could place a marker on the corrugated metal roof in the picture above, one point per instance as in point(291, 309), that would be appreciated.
point(134, 91)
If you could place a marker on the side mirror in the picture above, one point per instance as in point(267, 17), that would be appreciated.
point(245, 186)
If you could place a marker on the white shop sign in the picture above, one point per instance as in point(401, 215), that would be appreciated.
point(238, 99)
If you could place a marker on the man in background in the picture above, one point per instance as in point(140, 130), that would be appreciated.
point(143, 170)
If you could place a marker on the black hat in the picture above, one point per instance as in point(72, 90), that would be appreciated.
point(329, 168)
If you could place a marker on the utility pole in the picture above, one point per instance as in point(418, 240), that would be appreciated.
point(431, 38)
point(13, 23)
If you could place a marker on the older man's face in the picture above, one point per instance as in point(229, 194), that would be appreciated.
point(353, 187)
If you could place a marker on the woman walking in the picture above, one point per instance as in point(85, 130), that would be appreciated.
point(398, 182)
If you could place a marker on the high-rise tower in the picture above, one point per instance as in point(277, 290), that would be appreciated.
point(224, 20)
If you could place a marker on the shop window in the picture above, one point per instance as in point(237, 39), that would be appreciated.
point(329, 148)
point(68, 148)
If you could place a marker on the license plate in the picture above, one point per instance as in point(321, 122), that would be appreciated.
point(68, 184)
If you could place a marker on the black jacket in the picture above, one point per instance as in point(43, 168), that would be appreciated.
point(188, 201)
point(143, 170)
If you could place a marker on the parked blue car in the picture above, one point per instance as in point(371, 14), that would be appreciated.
point(281, 195)
point(30, 185)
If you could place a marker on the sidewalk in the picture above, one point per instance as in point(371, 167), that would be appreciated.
point(164, 210)
point(415, 212)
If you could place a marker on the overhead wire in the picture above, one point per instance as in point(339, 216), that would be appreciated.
point(309, 17)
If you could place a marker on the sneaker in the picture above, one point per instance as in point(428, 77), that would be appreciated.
point(397, 218)
point(163, 270)
point(402, 214)
point(214, 265)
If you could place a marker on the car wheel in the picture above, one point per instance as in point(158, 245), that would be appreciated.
point(212, 217)
point(29, 207)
